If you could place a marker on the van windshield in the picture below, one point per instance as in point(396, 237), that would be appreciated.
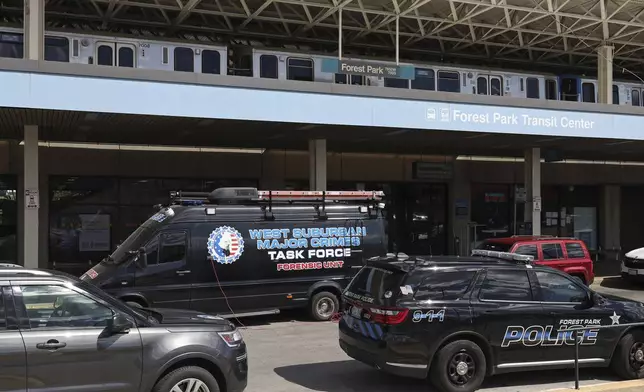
point(140, 236)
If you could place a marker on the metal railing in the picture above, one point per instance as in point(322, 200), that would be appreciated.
point(594, 328)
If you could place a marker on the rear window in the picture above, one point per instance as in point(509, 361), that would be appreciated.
point(575, 250)
point(495, 246)
point(444, 285)
point(371, 284)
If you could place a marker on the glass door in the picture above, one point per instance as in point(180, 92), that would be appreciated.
point(421, 224)
point(8, 220)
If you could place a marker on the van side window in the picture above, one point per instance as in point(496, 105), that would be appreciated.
point(552, 251)
point(173, 247)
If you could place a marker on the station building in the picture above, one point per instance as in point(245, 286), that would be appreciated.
point(88, 151)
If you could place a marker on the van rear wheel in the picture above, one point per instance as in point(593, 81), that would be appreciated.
point(324, 305)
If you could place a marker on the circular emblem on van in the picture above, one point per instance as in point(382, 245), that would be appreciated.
point(226, 245)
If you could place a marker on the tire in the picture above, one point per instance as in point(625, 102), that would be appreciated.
point(178, 376)
point(628, 359)
point(444, 374)
point(323, 305)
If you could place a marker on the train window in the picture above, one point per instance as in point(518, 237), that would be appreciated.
point(126, 57)
point(300, 69)
point(532, 88)
point(495, 86)
point(165, 55)
point(396, 83)
point(57, 49)
point(449, 81)
point(268, 66)
point(184, 59)
point(11, 45)
point(635, 101)
point(356, 80)
point(551, 89)
point(481, 85)
point(425, 80)
point(210, 62)
point(105, 55)
point(615, 95)
point(588, 92)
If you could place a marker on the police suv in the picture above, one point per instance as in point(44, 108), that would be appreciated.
point(458, 320)
point(241, 251)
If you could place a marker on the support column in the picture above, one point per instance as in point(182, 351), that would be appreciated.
point(30, 198)
point(34, 26)
point(317, 165)
point(605, 74)
point(533, 189)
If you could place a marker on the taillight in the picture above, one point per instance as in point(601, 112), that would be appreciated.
point(388, 316)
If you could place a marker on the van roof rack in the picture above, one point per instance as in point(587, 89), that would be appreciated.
point(507, 256)
point(252, 195)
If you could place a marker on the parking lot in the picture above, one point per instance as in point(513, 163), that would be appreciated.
point(288, 353)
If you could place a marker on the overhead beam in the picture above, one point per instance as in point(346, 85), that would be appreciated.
point(185, 11)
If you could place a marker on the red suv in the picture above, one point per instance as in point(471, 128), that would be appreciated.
point(569, 255)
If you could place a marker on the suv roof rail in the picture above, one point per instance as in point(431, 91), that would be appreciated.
point(253, 195)
point(512, 257)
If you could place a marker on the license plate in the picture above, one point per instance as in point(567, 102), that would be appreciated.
point(632, 272)
point(355, 311)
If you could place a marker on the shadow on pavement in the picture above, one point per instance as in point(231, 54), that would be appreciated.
point(350, 376)
point(285, 316)
point(615, 282)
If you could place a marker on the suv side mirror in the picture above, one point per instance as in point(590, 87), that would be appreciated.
point(142, 259)
point(119, 324)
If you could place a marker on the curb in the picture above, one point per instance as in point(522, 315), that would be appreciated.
point(623, 386)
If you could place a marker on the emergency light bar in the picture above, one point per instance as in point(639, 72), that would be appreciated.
point(503, 255)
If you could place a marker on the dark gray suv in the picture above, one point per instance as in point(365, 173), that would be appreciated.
point(58, 333)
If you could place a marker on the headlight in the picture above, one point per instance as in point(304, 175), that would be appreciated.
point(232, 338)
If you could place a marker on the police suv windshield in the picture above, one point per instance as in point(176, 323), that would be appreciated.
point(140, 236)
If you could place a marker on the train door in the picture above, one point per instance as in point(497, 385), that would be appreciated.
point(569, 87)
point(636, 96)
point(489, 85)
point(112, 53)
point(552, 89)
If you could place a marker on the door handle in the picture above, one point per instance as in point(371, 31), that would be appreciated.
point(183, 272)
point(52, 344)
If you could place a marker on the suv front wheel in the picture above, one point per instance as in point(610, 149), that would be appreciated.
point(459, 367)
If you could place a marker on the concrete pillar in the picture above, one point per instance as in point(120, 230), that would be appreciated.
point(609, 220)
point(30, 198)
point(533, 189)
point(34, 26)
point(317, 165)
point(605, 74)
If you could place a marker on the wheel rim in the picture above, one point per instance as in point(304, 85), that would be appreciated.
point(190, 385)
point(461, 368)
point(636, 356)
point(325, 307)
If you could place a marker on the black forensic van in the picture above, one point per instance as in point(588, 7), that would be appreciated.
point(242, 252)
point(456, 320)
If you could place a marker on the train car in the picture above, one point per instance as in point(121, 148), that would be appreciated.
point(134, 52)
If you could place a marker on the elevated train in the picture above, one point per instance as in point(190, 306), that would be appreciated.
point(145, 53)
